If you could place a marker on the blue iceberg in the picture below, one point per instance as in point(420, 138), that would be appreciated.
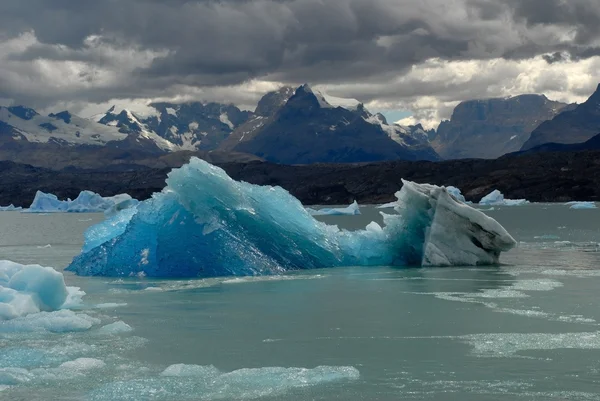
point(352, 210)
point(86, 202)
point(205, 224)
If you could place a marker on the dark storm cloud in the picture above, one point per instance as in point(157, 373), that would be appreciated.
point(214, 43)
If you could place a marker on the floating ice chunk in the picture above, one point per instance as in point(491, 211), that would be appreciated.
point(205, 224)
point(61, 321)
point(14, 376)
point(183, 370)
point(581, 205)
point(179, 382)
point(351, 210)
point(114, 328)
point(389, 205)
point(10, 208)
point(110, 305)
point(456, 193)
point(28, 289)
point(67, 370)
point(86, 202)
point(497, 198)
point(83, 364)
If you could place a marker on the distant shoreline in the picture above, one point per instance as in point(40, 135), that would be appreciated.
point(538, 177)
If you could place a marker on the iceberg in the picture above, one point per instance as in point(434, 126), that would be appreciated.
point(26, 289)
point(205, 224)
point(456, 193)
point(496, 198)
point(352, 210)
point(581, 205)
point(86, 202)
point(10, 208)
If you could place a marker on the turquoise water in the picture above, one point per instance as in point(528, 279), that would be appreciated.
point(527, 330)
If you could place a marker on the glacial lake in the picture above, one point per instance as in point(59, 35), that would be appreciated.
point(526, 330)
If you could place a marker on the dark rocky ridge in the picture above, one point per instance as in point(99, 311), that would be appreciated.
point(571, 126)
point(489, 128)
point(539, 177)
point(303, 130)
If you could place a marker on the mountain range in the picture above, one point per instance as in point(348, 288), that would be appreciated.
point(575, 125)
point(289, 126)
point(489, 128)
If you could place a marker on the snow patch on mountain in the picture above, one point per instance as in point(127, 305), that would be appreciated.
point(224, 118)
point(43, 129)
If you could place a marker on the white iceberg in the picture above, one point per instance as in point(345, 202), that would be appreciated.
point(205, 224)
point(352, 210)
point(456, 193)
point(86, 202)
point(496, 198)
point(10, 208)
point(581, 205)
point(26, 289)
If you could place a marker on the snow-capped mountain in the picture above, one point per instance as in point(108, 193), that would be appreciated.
point(306, 126)
point(64, 128)
point(290, 125)
point(188, 126)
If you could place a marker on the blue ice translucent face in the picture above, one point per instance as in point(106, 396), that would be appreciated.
point(206, 224)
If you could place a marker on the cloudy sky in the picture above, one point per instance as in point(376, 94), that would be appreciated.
point(398, 56)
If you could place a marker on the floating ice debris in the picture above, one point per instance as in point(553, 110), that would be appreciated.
point(351, 210)
point(581, 205)
point(86, 202)
point(10, 208)
point(61, 321)
point(205, 224)
point(187, 382)
point(114, 328)
point(497, 198)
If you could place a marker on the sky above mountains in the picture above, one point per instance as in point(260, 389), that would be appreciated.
point(393, 55)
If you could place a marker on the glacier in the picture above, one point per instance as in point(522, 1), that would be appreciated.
point(351, 210)
point(205, 224)
point(86, 202)
point(496, 198)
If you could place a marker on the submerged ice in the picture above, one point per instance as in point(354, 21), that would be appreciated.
point(86, 202)
point(206, 224)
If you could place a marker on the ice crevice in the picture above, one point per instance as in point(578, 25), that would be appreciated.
point(205, 224)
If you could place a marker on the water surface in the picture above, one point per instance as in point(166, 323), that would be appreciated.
point(527, 330)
